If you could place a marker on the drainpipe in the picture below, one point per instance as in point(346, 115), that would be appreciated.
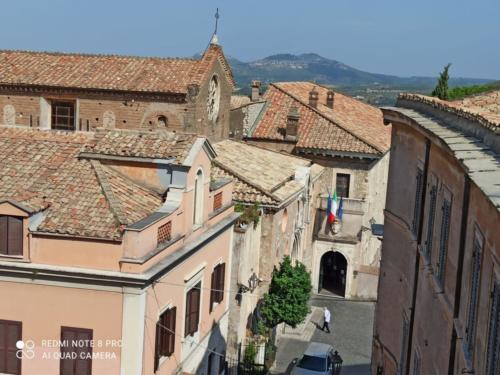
point(460, 266)
point(417, 255)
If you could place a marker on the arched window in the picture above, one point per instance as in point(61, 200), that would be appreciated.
point(198, 199)
point(162, 121)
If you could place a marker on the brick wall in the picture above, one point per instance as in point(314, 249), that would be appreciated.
point(24, 107)
point(113, 111)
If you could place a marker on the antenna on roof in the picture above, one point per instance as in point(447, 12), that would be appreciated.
point(215, 39)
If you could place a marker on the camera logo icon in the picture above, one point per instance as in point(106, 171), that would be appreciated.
point(25, 349)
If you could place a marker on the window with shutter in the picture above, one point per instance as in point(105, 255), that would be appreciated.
point(493, 351)
point(443, 241)
point(210, 363)
point(474, 292)
point(416, 364)
point(165, 335)
point(76, 353)
point(430, 221)
point(10, 333)
point(192, 309)
point(404, 346)
point(418, 200)
point(11, 235)
point(222, 362)
point(217, 285)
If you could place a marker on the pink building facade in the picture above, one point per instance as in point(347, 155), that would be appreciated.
point(114, 253)
point(438, 308)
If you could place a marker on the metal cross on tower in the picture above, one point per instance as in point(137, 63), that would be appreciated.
point(215, 38)
point(216, 20)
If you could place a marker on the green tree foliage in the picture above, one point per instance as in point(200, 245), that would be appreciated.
point(461, 92)
point(250, 214)
point(441, 89)
point(289, 292)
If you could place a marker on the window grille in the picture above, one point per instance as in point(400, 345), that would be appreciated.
point(165, 232)
point(217, 201)
point(63, 115)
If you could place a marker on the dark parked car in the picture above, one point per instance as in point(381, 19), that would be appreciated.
point(317, 359)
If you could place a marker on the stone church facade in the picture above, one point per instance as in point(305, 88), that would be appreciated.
point(79, 92)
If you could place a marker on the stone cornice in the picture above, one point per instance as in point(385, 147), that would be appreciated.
point(92, 93)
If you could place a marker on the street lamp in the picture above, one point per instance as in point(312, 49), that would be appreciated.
point(337, 363)
point(253, 282)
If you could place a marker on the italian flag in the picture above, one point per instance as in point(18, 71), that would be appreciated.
point(331, 207)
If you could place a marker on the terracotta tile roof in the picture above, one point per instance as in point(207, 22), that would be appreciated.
point(141, 144)
point(244, 192)
point(239, 101)
point(487, 105)
point(108, 72)
point(42, 171)
point(351, 126)
point(260, 176)
point(484, 108)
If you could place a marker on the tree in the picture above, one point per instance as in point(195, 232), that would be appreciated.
point(289, 293)
point(441, 89)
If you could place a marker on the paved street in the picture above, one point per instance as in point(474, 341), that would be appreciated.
point(352, 329)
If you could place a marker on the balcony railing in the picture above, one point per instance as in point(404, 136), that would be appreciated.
point(350, 205)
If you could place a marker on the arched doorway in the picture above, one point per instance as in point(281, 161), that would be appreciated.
point(332, 273)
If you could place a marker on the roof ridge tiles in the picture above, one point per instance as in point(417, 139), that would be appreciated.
point(282, 153)
point(315, 110)
point(85, 54)
point(108, 193)
point(245, 180)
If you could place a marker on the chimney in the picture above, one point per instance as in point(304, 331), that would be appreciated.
point(255, 90)
point(313, 98)
point(330, 98)
point(292, 123)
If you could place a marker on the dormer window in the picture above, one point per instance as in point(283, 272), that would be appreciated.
point(11, 235)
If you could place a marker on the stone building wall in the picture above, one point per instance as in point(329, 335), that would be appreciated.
point(245, 261)
point(407, 266)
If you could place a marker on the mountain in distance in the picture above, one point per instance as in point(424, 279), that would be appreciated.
point(380, 89)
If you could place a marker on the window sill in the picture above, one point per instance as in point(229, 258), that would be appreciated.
point(161, 362)
point(196, 227)
point(214, 306)
point(18, 258)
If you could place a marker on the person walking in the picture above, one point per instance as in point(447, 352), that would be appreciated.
point(326, 319)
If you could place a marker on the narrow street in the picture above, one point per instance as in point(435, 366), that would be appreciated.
point(352, 328)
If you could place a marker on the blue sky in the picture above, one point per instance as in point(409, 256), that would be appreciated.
point(401, 37)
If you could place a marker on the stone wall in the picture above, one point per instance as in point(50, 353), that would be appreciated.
point(245, 261)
